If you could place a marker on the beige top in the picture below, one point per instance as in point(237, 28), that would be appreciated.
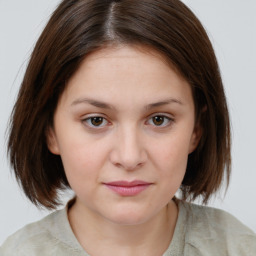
point(200, 231)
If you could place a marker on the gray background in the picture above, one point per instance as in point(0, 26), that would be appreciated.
point(231, 25)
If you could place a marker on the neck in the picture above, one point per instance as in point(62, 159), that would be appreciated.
point(149, 238)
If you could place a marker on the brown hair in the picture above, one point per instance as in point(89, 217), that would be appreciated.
point(79, 27)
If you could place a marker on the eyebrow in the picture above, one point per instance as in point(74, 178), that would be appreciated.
point(162, 103)
point(101, 104)
point(96, 103)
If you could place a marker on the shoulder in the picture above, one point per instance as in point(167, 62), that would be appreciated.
point(44, 237)
point(214, 230)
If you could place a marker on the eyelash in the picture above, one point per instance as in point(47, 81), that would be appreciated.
point(88, 121)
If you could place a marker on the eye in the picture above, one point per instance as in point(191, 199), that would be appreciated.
point(160, 121)
point(95, 121)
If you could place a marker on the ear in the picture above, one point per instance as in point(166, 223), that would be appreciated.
point(52, 141)
point(195, 138)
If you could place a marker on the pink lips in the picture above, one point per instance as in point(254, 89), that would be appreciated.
point(126, 188)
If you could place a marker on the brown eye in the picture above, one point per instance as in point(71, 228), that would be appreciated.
point(96, 121)
point(158, 120)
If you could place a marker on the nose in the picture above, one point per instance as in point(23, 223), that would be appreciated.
point(128, 152)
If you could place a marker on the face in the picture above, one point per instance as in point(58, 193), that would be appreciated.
point(124, 128)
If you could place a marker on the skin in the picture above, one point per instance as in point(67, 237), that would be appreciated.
point(135, 139)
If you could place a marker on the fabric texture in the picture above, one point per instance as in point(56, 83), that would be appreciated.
point(199, 231)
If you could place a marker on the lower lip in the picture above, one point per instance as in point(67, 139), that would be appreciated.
point(128, 191)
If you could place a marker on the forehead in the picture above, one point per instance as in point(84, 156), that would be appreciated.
point(130, 72)
point(127, 53)
point(128, 57)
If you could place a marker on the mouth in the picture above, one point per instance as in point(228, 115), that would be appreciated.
point(128, 188)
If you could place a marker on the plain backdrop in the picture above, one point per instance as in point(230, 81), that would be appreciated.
point(231, 25)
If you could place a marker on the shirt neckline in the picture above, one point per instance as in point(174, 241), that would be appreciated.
point(64, 232)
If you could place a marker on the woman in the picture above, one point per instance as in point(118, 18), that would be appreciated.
point(122, 102)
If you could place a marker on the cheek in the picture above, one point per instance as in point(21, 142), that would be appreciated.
point(173, 151)
point(172, 173)
point(82, 160)
point(171, 160)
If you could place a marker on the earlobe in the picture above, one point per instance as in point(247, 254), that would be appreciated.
point(195, 138)
point(52, 141)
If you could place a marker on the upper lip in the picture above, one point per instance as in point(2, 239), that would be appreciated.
point(123, 183)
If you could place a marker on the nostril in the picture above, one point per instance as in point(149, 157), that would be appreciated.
point(128, 152)
point(118, 165)
point(128, 167)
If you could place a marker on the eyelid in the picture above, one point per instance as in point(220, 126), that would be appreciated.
point(88, 117)
point(95, 115)
point(165, 115)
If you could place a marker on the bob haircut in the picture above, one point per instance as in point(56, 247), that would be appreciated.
point(79, 27)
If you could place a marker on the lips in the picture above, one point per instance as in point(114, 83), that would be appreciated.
point(128, 188)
